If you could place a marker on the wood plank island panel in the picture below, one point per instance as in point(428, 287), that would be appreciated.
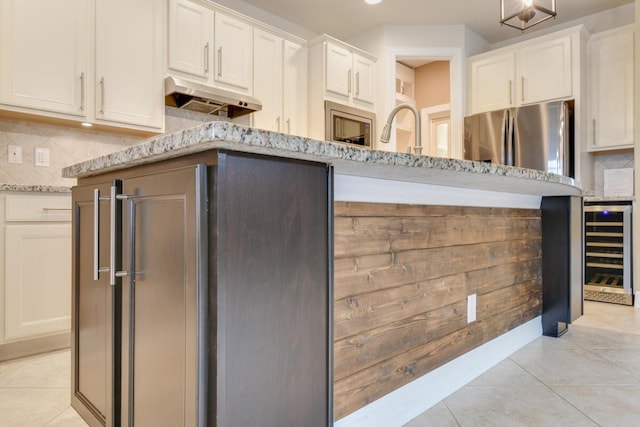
point(402, 277)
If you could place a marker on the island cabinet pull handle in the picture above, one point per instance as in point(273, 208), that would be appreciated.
point(206, 58)
point(82, 91)
point(96, 235)
point(220, 61)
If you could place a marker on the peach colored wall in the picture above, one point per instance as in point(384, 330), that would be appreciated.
point(433, 84)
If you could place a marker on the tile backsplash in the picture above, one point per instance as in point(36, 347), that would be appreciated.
point(68, 146)
point(609, 161)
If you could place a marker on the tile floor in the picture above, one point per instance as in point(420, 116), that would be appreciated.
point(588, 377)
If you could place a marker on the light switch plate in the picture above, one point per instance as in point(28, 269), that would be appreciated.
point(14, 155)
point(42, 156)
point(471, 308)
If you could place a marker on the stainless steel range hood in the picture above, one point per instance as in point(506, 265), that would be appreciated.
point(194, 96)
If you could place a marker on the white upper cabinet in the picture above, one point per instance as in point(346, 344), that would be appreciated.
point(44, 55)
point(98, 61)
point(233, 50)
point(348, 74)
point(268, 80)
point(545, 71)
point(209, 46)
point(363, 78)
point(129, 62)
point(280, 82)
point(295, 94)
point(493, 82)
point(338, 69)
point(611, 89)
point(190, 38)
point(534, 71)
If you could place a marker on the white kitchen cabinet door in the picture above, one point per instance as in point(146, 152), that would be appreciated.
point(295, 94)
point(268, 80)
point(492, 82)
point(545, 71)
point(611, 89)
point(37, 280)
point(363, 79)
point(233, 53)
point(129, 62)
point(338, 69)
point(44, 55)
point(190, 38)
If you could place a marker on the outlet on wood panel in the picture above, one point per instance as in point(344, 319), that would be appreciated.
point(471, 308)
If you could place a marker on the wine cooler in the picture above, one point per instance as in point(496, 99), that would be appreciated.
point(608, 258)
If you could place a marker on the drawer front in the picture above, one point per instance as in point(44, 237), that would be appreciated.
point(49, 207)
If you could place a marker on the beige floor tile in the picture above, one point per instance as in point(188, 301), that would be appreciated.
point(571, 366)
point(439, 416)
point(31, 407)
point(612, 405)
point(69, 418)
point(506, 372)
point(513, 406)
point(46, 370)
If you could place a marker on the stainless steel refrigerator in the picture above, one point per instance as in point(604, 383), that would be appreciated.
point(538, 136)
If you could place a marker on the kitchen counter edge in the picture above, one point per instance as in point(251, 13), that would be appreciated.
point(346, 159)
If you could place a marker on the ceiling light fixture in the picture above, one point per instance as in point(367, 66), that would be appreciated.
point(372, 1)
point(520, 14)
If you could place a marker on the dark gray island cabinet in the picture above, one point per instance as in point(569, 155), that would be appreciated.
point(202, 293)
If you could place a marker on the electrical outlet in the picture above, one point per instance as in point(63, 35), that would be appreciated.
point(471, 308)
point(14, 154)
point(42, 156)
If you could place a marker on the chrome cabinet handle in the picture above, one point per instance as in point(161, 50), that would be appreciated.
point(357, 83)
point(82, 91)
point(288, 125)
point(510, 92)
point(594, 132)
point(220, 61)
point(112, 237)
point(102, 95)
point(278, 122)
point(55, 209)
point(522, 88)
point(96, 235)
point(349, 81)
point(206, 58)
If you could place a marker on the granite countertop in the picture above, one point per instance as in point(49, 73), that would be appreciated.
point(347, 160)
point(34, 188)
point(609, 198)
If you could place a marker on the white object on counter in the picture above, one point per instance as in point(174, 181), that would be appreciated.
point(618, 182)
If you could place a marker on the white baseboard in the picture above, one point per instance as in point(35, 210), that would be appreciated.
point(404, 404)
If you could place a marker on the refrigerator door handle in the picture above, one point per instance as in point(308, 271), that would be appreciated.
point(505, 138)
point(509, 153)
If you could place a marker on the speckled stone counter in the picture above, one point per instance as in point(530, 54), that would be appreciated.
point(592, 199)
point(28, 188)
point(347, 160)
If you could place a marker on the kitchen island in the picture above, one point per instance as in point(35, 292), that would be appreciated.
point(419, 263)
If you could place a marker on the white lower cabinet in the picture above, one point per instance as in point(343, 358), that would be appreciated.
point(37, 279)
point(37, 259)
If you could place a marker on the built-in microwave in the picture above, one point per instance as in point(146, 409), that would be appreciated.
point(349, 125)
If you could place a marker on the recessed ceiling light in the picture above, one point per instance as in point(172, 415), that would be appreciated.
point(372, 1)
